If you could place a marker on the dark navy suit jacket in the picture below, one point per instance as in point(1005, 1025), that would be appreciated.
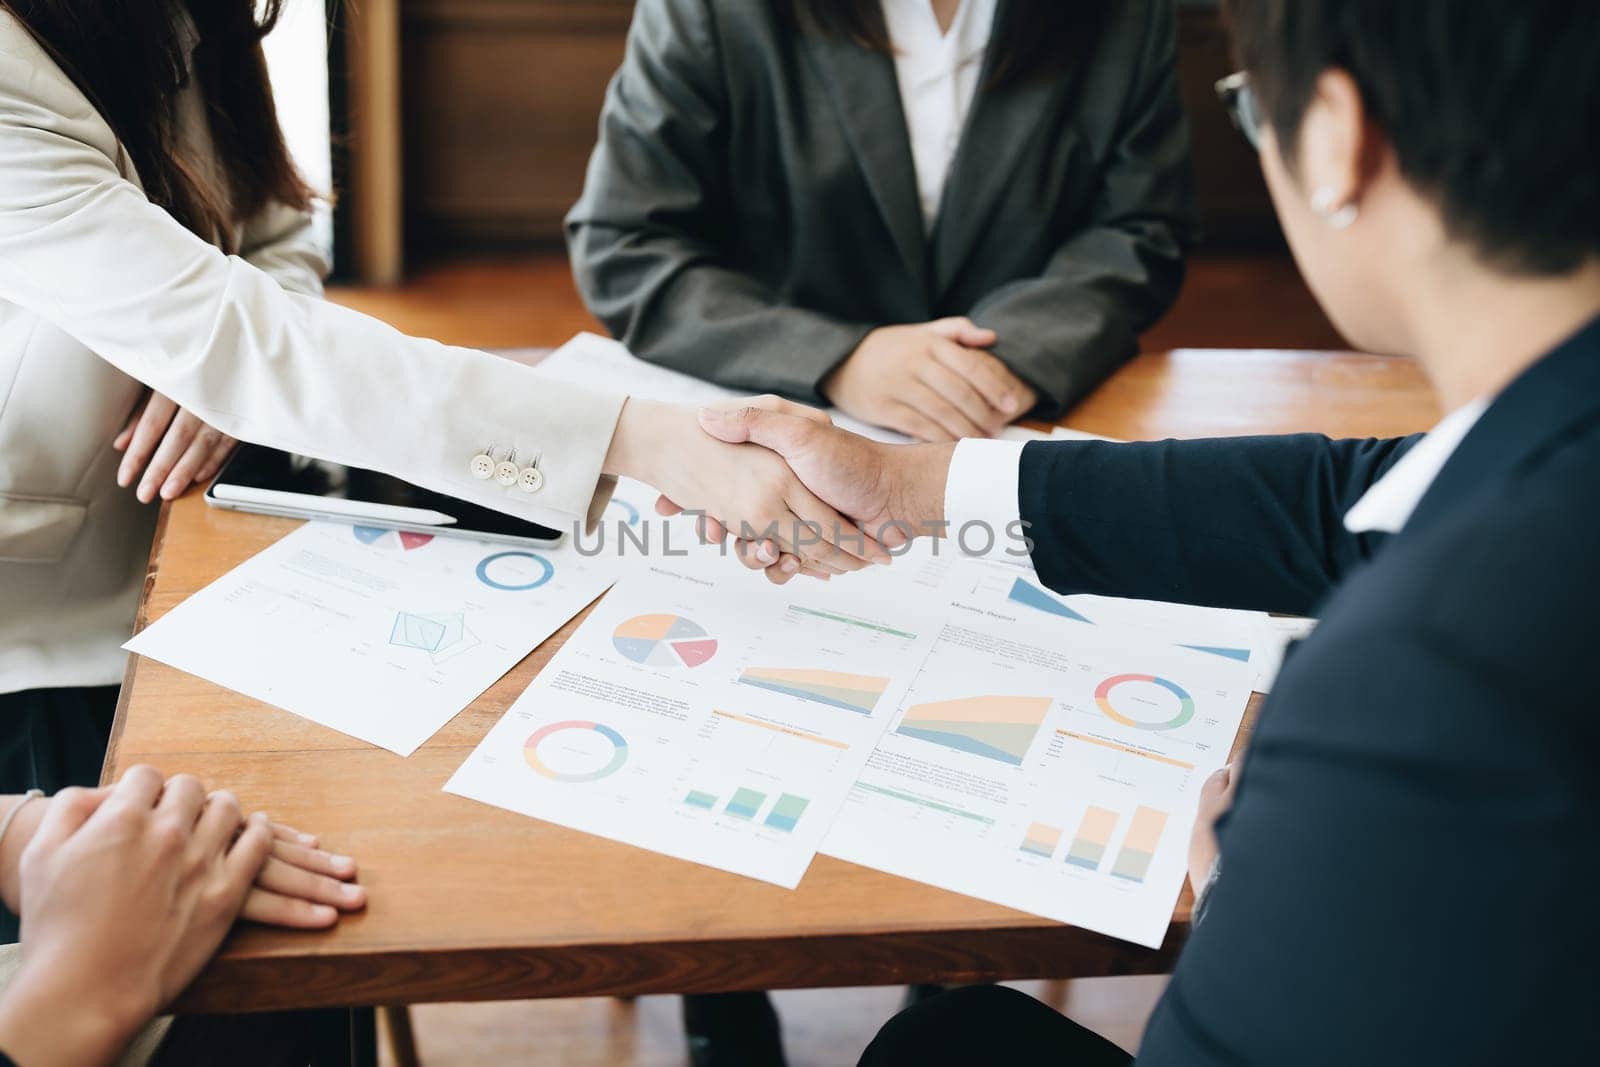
point(1409, 871)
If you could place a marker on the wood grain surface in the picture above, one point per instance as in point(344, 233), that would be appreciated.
point(472, 903)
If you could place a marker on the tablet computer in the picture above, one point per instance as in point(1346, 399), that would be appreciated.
point(270, 482)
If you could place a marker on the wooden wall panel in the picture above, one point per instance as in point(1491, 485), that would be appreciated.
point(501, 99)
point(1234, 207)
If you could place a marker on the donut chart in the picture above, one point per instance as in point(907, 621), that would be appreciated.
point(575, 751)
point(664, 641)
point(515, 572)
point(1141, 707)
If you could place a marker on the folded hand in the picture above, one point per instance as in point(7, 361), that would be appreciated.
point(935, 381)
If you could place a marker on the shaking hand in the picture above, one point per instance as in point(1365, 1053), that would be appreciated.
point(745, 490)
point(892, 492)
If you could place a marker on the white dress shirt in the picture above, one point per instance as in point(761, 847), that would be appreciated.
point(985, 476)
point(938, 75)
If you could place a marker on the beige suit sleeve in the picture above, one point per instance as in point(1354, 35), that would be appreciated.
point(83, 248)
point(282, 241)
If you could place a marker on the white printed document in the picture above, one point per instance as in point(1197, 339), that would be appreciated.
point(381, 635)
point(1052, 770)
point(700, 713)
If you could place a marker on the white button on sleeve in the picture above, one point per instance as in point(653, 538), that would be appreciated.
point(507, 473)
point(530, 480)
point(482, 466)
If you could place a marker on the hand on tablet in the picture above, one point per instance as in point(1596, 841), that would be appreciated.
point(170, 447)
point(935, 381)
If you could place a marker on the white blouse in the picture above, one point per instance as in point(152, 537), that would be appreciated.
point(938, 74)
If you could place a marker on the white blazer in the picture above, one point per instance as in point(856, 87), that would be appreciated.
point(101, 290)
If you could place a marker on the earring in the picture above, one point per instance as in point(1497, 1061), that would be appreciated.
point(1340, 217)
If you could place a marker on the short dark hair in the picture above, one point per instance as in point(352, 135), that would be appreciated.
point(1493, 107)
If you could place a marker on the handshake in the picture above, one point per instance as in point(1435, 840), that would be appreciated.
point(797, 494)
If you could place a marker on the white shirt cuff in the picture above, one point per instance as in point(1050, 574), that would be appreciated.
point(980, 497)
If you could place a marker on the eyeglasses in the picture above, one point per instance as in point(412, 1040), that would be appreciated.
point(1239, 97)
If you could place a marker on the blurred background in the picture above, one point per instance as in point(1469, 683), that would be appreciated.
point(454, 134)
point(464, 125)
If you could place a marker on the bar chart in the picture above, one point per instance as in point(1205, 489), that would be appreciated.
point(1041, 840)
point(786, 812)
point(1089, 843)
point(703, 801)
point(1139, 847)
point(745, 803)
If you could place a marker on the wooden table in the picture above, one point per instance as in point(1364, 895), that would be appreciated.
point(473, 903)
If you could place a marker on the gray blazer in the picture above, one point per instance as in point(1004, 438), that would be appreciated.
point(751, 211)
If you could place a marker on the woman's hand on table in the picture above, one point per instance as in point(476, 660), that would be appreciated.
point(299, 885)
point(126, 893)
point(166, 450)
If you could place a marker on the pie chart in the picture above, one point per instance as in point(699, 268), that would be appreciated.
point(664, 641)
point(393, 540)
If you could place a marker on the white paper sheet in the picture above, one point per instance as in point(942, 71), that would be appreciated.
point(703, 714)
point(1007, 587)
point(1033, 767)
point(381, 635)
point(1276, 634)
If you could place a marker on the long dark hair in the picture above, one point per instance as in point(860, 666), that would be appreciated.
point(128, 57)
point(1031, 38)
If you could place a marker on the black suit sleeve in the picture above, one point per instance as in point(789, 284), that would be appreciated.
point(1065, 330)
point(1408, 865)
point(1253, 522)
point(646, 237)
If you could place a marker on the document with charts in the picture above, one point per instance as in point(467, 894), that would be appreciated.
point(1005, 586)
point(700, 713)
point(1050, 767)
point(381, 635)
